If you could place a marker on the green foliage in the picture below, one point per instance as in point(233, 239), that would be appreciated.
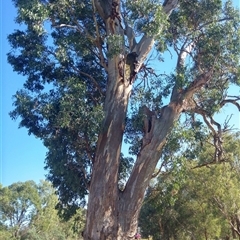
point(125, 167)
point(4, 232)
point(28, 212)
point(64, 92)
point(189, 202)
point(213, 31)
point(19, 202)
point(115, 43)
point(148, 17)
point(64, 50)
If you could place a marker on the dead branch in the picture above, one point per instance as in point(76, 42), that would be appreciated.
point(226, 123)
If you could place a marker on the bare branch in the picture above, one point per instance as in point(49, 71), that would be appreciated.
point(233, 101)
point(226, 123)
point(185, 50)
point(143, 47)
point(159, 170)
point(217, 134)
point(131, 37)
point(65, 26)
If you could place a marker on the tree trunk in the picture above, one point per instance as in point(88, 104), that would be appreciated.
point(104, 192)
point(112, 213)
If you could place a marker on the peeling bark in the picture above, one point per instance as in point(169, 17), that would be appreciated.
point(104, 190)
point(123, 207)
point(113, 214)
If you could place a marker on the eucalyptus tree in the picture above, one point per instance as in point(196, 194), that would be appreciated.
point(46, 223)
point(27, 211)
point(19, 202)
point(89, 85)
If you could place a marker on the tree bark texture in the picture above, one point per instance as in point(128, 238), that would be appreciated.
point(112, 213)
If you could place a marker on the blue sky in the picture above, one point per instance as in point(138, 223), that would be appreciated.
point(22, 156)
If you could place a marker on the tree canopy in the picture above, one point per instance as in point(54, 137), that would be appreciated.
point(188, 201)
point(27, 211)
point(91, 83)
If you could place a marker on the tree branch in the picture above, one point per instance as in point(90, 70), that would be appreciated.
point(64, 26)
point(210, 22)
point(131, 37)
point(184, 51)
point(221, 208)
point(217, 134)
point(198, 83)
point(98, 40)
point(159, 170)
point(103, 8)
point(208, 163)
point(169, 6)
point(76, 27)
point(91, 78)
point(83, 73)
point(212, 124)
point(145, 45)
point(233, 101)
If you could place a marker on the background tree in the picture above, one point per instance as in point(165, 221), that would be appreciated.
point(19, 202)
point(28, 211)
point(84, 59)
point(192, 202)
